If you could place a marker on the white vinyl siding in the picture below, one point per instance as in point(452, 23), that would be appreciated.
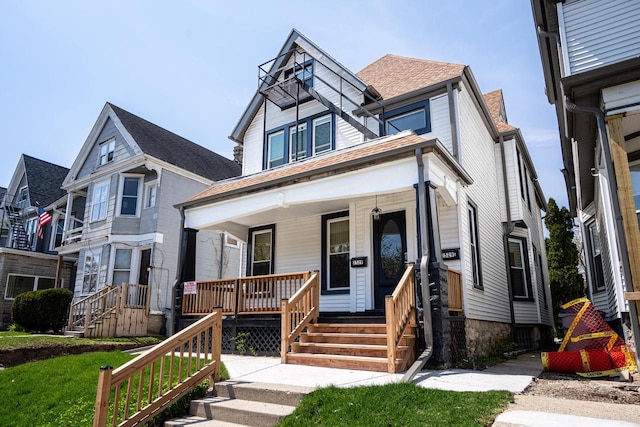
point(597, 33)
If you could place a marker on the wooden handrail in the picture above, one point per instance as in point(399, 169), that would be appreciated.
point(454, 285)
point(399, 311)
point(92, 307)
point(144, 386)
point(298, 311)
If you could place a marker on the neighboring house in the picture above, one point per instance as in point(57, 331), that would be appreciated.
point(29, 261)
point(119, 217)
point(590, 51)
point(342, 193)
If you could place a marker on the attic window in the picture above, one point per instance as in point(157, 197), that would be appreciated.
point(106, 151)
point(303, 72)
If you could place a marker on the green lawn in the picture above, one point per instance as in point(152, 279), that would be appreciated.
point(402, 404)
point(19, 340)
point(55, 392)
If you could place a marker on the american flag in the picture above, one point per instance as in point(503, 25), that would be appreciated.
point(43, 219)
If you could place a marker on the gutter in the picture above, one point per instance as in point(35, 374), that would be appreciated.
point(507, 230)
point(424, 275)
point(613, 189)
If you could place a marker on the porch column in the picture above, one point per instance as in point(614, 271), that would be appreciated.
point(67, 217)
point(187, 273)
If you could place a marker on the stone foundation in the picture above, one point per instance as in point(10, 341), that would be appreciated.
point(483, 336)
point(156, 324)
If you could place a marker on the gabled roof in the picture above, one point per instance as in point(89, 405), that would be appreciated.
point(167, 146)
point(394, 75)
point(296, 38)
point(44, 180)
point(495, 103)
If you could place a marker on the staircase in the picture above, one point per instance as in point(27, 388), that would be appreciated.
point(19, 234)
point(351, 346)
point(243, 404)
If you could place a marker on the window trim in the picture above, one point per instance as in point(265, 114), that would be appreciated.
point(133, 261)
point(324, 272)
point(331, 134)
point(35, 283)
point(302, 128)
point(474, 231)
point(287, 130)
point(398, 112)
point(107, 184)
point(97, 273)
point(147, 187)
point(107, 143)
point(122, 179)
point(524, 182)
point(526, 269)
point(231, 242)
point(595, 286)
point(23, 203)
point(258, 230)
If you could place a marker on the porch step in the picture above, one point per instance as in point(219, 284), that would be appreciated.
point(240, 403)
point(351, 338)
point(363, 363)
point(75, 333)
point(345, 349)
point(345, 328)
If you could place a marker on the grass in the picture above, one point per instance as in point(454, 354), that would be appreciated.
point(55, 392)
point(23, 340)
point(403, 404)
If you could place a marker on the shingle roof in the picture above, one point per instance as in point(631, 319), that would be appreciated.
point(494, 101)
point(394, 75)
point(176, 150)
point(44, 180)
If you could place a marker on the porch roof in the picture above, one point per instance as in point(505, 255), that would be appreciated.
point(380, 150)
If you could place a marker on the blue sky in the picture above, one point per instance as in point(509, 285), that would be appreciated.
point(192, 66)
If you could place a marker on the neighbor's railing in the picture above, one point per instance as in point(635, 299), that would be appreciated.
point(298, 311)
point(245, 295)
point(454, 284)
point(141, 388)
point(95, 306)
point(400, 312)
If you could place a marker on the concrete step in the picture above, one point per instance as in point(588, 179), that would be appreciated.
point(192, 421)
point(283, 394)
point(244, 412)
point(74, 333)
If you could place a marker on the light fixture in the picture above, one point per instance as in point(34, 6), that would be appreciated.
point(376, 211)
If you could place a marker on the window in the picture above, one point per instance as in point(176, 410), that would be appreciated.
point(519, 269)
point(634, 170)
point(595, 245)
point(59, 230)
point(298, 142)
point(100, 201)
point(231, 241)
point(23, 198)
point(261, 251)
point(150, 195)
point(106, 152)
point(304, 72)
point(335, 253)
point(524, 181)
point(544, 287)
point(31, 230)
point(17, 284)
point(474, 249)
point(415, 117)
point(322, 135)
point(90, 275)
point(122, 266)
point(276, 149)
point(129, 196)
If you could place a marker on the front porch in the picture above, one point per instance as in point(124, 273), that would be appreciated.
point(283, 311)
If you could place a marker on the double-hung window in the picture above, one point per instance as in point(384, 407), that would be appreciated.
point(129, 195)
point(100, 201)
point(474, 247)
point(261, 254)
point(336, 253)
point(519, 269)
point(151, 194)
point(298, 142)
point(415, 117)
point(106, 152)
point(595, 245)
point(275, 149)
point(122, 266)
point(322, 135)
point(23, 198)
point(91, 271)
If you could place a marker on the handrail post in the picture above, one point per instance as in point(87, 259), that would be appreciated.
point(285, 327)
point(391, 333)
point(102, 398)
point(216, 343)
point(316, 296)
point(237, 301)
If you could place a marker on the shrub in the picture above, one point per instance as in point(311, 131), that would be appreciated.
point(42, 310)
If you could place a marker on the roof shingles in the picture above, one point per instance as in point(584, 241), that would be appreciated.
point(44, 180)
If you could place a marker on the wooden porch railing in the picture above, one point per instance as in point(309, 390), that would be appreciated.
point(141, 388)
point(86, 311)
point(245, 295)
point(454, 284)
point(298, 311)
point(400, 312)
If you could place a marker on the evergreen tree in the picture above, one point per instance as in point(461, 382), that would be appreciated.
point(562, 256)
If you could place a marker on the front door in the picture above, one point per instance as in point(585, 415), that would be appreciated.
point(389, 249)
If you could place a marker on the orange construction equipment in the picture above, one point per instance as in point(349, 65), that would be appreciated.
point(590, 347)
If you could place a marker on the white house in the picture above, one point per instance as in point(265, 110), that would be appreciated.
point(356, 174)
point(119, 219)
point(590, 51)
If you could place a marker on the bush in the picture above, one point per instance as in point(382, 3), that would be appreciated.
point(42, 310)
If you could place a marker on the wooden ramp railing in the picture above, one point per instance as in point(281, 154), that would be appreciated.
point(400, 313)
point(112, 311)
point(454, 284)
point(138, 390)
point(298, 311)
point(245, 295)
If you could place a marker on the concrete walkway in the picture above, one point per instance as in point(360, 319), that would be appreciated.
point(514, 375)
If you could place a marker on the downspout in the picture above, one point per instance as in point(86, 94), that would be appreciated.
point(221, 256)
point(178, 274)
point(507, 230)
point(424, 275)
point(613, 189)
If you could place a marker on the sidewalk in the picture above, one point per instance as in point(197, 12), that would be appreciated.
point(514, 375)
